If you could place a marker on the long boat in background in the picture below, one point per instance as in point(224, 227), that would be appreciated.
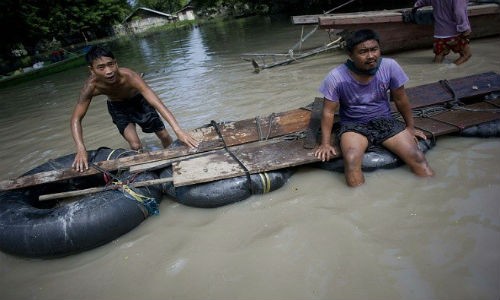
point(401, 30)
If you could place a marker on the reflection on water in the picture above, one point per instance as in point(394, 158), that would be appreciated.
point(396, 237)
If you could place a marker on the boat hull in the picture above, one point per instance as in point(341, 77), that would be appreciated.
point(397, 35)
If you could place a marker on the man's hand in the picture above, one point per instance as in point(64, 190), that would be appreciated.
point(187, 139)
point(417, 134)
point(81, 163)
point(325, 152)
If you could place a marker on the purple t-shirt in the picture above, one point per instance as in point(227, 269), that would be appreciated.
point(363, 102)
point(450, 16)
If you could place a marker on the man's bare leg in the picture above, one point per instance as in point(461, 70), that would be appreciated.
point(465, 54)
point(438, 58)
point(164, 137)
point(353, 147)
point(130, 135)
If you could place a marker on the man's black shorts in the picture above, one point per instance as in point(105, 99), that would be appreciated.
point(376, 131)
point(137, 111)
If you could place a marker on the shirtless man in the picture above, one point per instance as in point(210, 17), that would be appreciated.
point(130, 101)
point(359, 89)
point(451, 28)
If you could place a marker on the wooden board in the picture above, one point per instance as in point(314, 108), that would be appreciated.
point(257, 157)
point(465, 88)
point(455, 120)
point(234, 133)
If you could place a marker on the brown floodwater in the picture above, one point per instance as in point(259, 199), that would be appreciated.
point(396, 237)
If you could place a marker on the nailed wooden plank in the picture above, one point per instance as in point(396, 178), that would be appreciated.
point(434, 128)
point(310, 140)
point(465, 88)
point(463, 118)
point(110, 165)
point(101, 189)
point(257, 157)
point(234, 133)
point(454, 120)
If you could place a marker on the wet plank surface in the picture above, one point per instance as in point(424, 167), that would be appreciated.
point(233, 133)
point(256, 157)
point(455, 120)
point(464, 88)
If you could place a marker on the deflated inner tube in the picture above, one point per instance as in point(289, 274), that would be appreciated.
point(45, 229)
point(225, 191)
point(379, 158)
point(488, 129)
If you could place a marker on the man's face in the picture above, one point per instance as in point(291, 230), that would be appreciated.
point(366, 54)
point(105, 68)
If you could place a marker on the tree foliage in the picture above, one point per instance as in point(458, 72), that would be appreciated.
point(167, 6)
point(64, 20)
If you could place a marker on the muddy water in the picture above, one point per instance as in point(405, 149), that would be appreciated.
point(396, 237)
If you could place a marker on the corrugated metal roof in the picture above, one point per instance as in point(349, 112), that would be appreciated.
point(149, 10)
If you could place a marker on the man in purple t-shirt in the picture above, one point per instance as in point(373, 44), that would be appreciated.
point(451, 28)
point(359, 89)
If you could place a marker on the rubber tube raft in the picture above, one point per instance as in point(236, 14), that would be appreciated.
point(488, 129)
point(373, 159)
point(225, 191)
point(44, 229)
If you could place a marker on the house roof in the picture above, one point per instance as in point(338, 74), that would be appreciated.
point(151, 11)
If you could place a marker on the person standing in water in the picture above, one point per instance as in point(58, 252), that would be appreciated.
point(130, 101)
point(451, 28)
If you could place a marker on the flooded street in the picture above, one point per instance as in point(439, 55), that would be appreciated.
point(396, 237)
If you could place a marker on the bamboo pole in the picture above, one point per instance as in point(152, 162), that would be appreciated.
point(101, 189)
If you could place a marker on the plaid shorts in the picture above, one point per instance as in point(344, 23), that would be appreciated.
point(442, 46)
point(376, 130)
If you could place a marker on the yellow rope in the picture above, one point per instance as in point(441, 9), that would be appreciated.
point(266, 182)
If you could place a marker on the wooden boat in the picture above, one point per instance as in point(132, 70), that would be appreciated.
point(397, 32)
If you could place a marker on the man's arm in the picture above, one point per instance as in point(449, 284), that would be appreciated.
point(402, 102)
point(461, 17)
point(153, 99)
point(325, 149)
point(80, 162)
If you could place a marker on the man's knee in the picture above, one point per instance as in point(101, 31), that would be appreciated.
point(135, 145)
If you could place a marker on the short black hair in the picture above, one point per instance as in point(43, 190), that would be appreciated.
point(96, 52)
point(360, 36)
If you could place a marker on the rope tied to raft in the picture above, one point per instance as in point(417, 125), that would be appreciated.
point(116, 183)
point(270, 125)
point(247, 172)
point(458, 105)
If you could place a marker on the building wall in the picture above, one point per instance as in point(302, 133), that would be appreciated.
point(186, 15)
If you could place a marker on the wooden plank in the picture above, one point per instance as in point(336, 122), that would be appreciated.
point(434, 128)
point(455, 120)
point(312, 131)
point(463, 118)
point(257, 157)
point(234, 133)
point(465, 88)
point(101, 189)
